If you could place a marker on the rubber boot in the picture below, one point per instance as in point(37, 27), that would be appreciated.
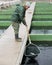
point(17, 38)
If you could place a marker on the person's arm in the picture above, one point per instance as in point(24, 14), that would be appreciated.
point(22, 19)
point(24, 22)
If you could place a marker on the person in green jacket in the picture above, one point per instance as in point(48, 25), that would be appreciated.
point(18, 17)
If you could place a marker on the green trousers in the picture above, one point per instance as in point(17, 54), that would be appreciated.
point(16, 27)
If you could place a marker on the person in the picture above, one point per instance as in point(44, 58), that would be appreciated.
point(18, 17)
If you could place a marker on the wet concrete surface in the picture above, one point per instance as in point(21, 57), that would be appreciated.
point(44, 58)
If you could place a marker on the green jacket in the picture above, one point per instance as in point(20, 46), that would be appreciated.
point(19, 15)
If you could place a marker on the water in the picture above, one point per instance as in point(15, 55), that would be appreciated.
point(44, 58)
point(43, 31)
point(1, 31)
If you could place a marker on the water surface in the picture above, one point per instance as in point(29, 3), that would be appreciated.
point(44, 58)
point(43, 31)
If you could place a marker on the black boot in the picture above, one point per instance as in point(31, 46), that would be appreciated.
point(17, 38)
